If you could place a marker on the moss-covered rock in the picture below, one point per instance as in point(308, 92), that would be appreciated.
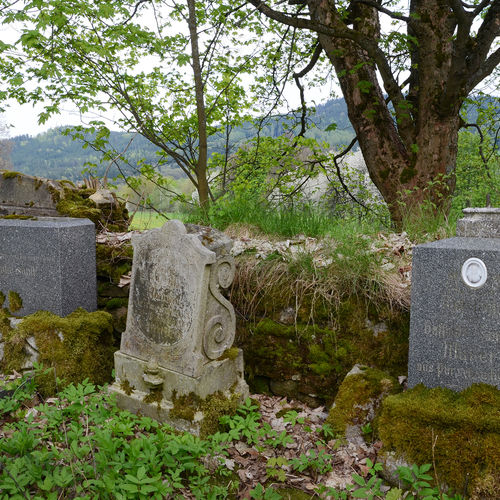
point(209, 410)
point(76, 202)
point(76, 347)
point(113, 261)
point(318, 357)
point(359, 398)
point(459, 432)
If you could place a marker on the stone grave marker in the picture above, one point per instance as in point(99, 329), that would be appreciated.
point(49, 262)
point(23, 194)
point(455, 306)
point(179, 325)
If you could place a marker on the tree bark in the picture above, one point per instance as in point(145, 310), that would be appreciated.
point(410, 149)
point(201, 167)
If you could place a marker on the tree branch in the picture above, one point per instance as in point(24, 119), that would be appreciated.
point(297, 76)
point(380, 8)
point(485, 69)
point(340, 31)
point(478, 59)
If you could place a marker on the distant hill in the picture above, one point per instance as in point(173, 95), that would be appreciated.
point(54, 155)
point(57, 156)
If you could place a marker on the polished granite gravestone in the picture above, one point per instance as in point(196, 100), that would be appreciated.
point(179, 325)
point(455, 307)
point(50, 262)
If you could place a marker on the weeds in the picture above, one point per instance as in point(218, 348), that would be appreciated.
point(79, 446)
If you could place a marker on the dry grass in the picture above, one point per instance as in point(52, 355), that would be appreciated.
point(263, 285)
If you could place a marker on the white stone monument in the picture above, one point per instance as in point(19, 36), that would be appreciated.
point(180, 327)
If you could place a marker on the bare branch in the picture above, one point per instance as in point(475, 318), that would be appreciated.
point(297, 76)
point(486, 69)
point(380, 8)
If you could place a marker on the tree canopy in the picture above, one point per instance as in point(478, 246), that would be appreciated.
point(179, 73)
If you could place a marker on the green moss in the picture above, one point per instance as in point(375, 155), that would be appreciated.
point(2, 299)
point(116, 303)
point(10, 174)
point(231, 353)
point(407, 175)
point(185, 406)
point(76, 347)
point(465, 428)
point(358, 394)
point(154, 396)
point(76, 203)
point(215, 406)
point(15, 301)
point(127, 387)
point(20, 217)
point(113, 262)
point(212, 407)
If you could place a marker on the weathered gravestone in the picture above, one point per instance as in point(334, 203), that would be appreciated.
point(49, 262)
point(26, 195)
point(455, 306)
point(179, 327)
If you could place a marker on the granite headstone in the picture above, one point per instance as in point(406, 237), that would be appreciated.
point(455, 306)
point(179, 324)
point(50, 262)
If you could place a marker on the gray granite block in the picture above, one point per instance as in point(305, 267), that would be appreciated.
point(455, 313)
point(50, 263)
point(479, 223)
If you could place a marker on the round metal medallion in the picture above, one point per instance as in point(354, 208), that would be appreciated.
point(474, 272)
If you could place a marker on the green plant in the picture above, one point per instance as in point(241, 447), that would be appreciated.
point(367, 430)
point(275, 468)
point(293, 418)
point(367, 488)
point(316, 461)
point(261, 493)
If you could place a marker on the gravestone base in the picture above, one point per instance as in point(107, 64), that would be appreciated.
point(151, 390)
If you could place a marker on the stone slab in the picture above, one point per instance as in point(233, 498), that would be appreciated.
point(177, 314)
point(22, 194)
point(50, 262)
point(455, 313)
point(223, 376)
point(479, 223)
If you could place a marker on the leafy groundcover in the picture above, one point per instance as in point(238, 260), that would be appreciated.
point(79, 445)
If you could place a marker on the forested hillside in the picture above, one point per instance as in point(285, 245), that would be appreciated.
point(55, 155)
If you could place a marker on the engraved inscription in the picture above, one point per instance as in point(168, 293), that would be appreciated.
point(29, 271)
point(161, 302)
point(453, 350)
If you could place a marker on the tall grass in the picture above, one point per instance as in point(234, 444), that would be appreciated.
point(282, 221)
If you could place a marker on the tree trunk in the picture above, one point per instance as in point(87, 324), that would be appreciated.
point(410, 152)
point(201, 167)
